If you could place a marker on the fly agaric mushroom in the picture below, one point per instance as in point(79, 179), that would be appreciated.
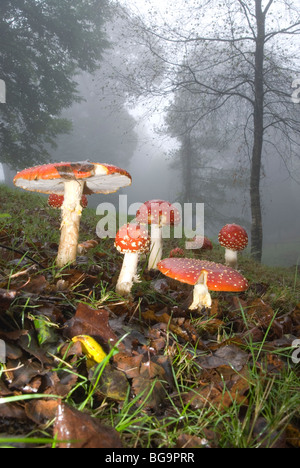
point(234, 238)
point(72, 179)
point(56, 201)
point(157, 213)
point(131, 240)
point(205, 276)
point(177, 252)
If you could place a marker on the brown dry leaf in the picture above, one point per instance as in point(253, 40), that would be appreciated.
point(267, 436)
point(260, 313)
point(211, 325)
point(29, 344)
point(75, 429)
point(293, 436)
point(219, 395)
point(129, 364)
point(59, 384)
point(112, 383)
point(152, 392)
point(41, 411)
point(274, 363)
point(72, 278)
point(92, 322)
point(185, 330)
point(150, 384)
point(23, 375)
point(35, 285)
point(6, 298)
point(228, 355)
point(12, 411)
point(295, 315)
point(204, 397)
point(4, 391)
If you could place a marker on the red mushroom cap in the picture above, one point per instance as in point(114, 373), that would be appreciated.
point(177, 252)
point(188, 270)
point(158, 212)
point(132, 237)
point(233, 237)
point(50, 178)
point(56, 201)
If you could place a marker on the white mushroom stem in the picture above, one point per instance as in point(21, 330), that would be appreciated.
point(128, 274)
point(201, 296)
point(155, 247)
point(71, 213)
point(231, 258)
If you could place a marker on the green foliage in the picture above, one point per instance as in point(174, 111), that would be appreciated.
point(43, 46)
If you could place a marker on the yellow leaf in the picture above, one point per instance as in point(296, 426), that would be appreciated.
point(91, 349)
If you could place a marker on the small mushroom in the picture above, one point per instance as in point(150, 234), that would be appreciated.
point(177, 252)
point(131, 240)
point(205, 276)
point(157, 213)
point(234, 238)
point(72, 179)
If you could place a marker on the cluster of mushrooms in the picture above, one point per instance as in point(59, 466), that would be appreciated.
point(68, 184)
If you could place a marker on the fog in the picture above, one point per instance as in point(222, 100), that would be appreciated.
point(108, 128)
point(134, 146)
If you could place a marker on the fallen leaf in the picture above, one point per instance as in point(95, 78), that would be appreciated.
point(150, 384)
point(293, 436)
point(229, 355)
point(73, 278)
point(75, 429)
point(41, 411)
point(151, 392)
point(29, 344)
point(6, 298)
point(185, 330)
point(112, 383)
point(260, 313)
point(129, 364)
point(22, 376)
point(220, 395)
point(266, 435)
point(91, 349)
point(92, 322)
point(36, 285)
point(59, 384)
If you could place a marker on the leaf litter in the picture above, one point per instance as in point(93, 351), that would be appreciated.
point(152, 343)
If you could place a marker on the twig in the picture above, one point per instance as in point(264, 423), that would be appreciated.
point(25, 254)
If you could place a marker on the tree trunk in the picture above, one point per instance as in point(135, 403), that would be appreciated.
point(256, 227)
point(187, 152)
point(8, 175)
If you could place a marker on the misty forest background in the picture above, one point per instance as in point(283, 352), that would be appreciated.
point(193, 98)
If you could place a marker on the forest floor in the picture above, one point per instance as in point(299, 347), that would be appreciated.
point(168, 377)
